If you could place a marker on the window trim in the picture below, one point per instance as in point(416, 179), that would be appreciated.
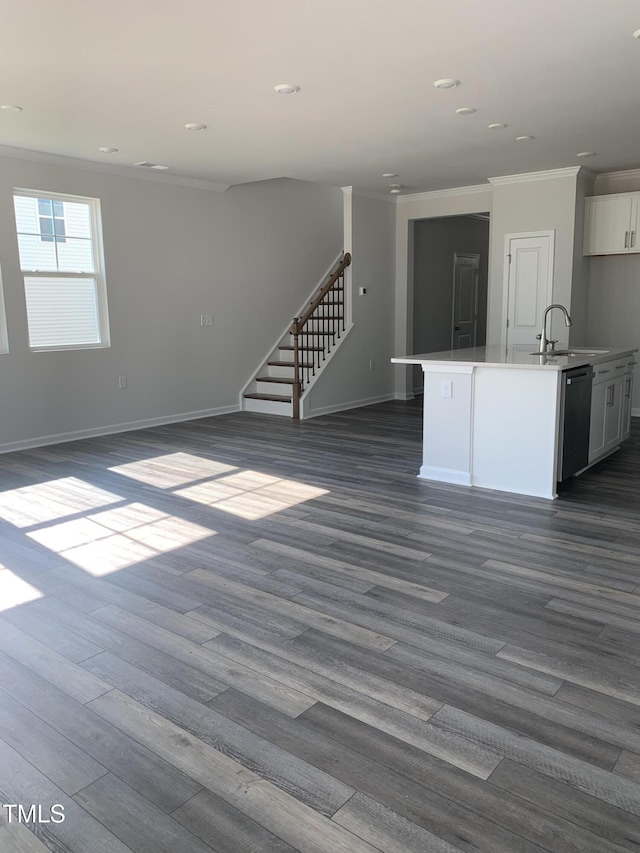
point(97, 248)
point(4, 337)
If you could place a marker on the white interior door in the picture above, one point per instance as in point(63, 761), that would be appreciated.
point(466, 271)
point(529, 285)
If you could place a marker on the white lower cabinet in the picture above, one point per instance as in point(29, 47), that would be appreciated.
point(610, 406)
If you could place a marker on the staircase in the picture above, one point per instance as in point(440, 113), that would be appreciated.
point(297, 360)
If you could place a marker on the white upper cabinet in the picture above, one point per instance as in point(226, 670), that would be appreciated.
point(611, 224)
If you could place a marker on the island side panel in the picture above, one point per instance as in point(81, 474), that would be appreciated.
point(515, 430)
point(446, 434)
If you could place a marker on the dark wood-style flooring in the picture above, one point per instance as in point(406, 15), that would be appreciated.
point(245, 634)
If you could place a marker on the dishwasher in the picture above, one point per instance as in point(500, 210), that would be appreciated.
point(575, 414)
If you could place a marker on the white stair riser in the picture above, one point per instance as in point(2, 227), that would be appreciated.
point(281, 390)
point(267, 407)
point(326, 325)
point(281, 372)
point(330, 311)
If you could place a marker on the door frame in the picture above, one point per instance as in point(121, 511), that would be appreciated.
point(476, 257)
point(551, 234)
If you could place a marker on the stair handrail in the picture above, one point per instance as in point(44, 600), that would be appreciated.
point(298, 327)
point(301, 322)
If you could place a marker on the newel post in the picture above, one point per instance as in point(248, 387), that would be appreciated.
point(297, 378)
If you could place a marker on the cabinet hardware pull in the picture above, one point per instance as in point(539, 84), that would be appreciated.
point(626, 239)
point(633, 239)
point(620, 366)
point(604, 371)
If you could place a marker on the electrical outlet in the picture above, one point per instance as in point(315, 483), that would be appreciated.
point(206, 319)
point(122, 382)
point(362, 291)
point(372, 364)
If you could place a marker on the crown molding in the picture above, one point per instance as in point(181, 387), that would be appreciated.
point(105, 168)
point(613, 177)
point(569, 172)
point(368, 194)
point(452, 191)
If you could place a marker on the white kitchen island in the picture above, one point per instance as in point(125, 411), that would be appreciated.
point(492, 415)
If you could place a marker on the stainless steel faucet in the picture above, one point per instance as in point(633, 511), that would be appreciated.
point(542, 337)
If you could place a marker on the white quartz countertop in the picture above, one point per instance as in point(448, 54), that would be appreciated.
point(516, 357)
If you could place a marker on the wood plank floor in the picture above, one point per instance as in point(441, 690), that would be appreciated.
point(245, 634)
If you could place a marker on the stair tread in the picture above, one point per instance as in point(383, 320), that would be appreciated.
point(289, 363)
point(317, 333)
point(277, 398)
point(281, 380)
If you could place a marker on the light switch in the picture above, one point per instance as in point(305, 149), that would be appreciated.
point(446, 388)
point(206, 320)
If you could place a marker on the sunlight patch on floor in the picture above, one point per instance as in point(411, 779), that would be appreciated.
point(251, 495)
point(106, 542)
point(173, 469)
point(44, 502)
point(15, 591)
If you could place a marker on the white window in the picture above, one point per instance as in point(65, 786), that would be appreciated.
point(60, 246)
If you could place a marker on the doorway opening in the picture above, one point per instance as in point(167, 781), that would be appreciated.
point(450, 283)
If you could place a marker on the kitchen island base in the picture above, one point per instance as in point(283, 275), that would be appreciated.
point(494, 416)
point(496, 430)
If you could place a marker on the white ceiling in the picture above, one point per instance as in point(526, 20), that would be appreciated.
point(131, 73)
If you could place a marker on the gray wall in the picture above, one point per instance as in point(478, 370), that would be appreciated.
point(434, 244)
point(533, 205)
point(348, 381)
point(410, 209)
point(249, 256)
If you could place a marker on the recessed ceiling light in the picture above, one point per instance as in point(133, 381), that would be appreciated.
point(107, 150)
point(465, 111)
point(147, 165)
point(287, 88)
point(394, 189)
point(11, 108)
point(446, 83)
point(497, 125)
point(586, 154)
point(636, 35)
point(390, 175)
point(195, 125)
point(523, 138)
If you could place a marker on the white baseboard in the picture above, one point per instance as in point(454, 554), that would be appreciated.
point(60, 438)
point(445, 475)
point(635, 413)
point(399, 395)
point(354, 404)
